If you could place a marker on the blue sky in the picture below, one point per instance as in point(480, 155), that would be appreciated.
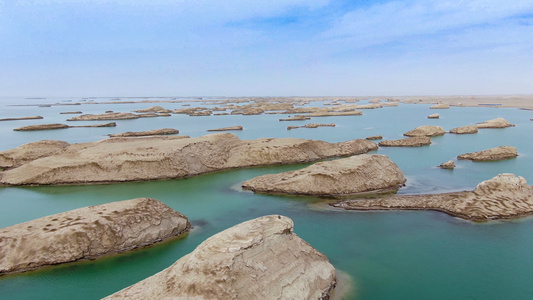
point(265, 48)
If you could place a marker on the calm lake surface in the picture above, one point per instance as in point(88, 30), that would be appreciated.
point(388, 255)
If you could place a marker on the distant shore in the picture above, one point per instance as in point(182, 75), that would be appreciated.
point(518, 101)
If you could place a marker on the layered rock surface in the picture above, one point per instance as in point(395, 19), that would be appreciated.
point(495, 123)
point(502, 197)
point(42, 127)
point(29, 152)
point(227, 128)
point(257, 259)
point(418, 141)
point(165, 157)
point(469, 129)
point(162, 131)
point(353, 175)
point(106, 116)
point(88, 232)
point(426, 130)
point(498, 153)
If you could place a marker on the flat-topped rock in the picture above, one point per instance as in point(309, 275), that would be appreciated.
point(23, 118)
point(106, 116)
point(498, 153)
point(374, 137)
point(162, 131)
point(41, 127)
point(447, 165)
point(154, 109)
point(297, 118)
point(70, 112)
point(418, 141)
point(469, 129)
point(165, 157)
point(495, 123)
point(311, 125)
point(440, 106)
point(434, 116)
point(502, 197)
point(87, 233)
point(347, 176)
point(258, 259)
point(426, 130)
point(227, 128)
point(369, 106)
point(334, 113)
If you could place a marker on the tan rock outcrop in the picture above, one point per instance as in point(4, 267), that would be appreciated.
point(426, 130)
point(311, 125)
point(447, 165)
point(408, 142)
point(162, 131)
point(434, 116)
point(335, 114)
point(154, 109)
point(29, 152)
point(87, 233)
point(297, 118)
point(23, 118)
point(369, 106)
point(106, 116)
point(165, 157)
point(440, 106)
point(347, 176)
point(469, 129)
point(502, 197)
point(41, 127)
point(374, 137)
point(227, 128)
point(70, 112)
point(257, 259)
point(498, 153)
point(495, 123)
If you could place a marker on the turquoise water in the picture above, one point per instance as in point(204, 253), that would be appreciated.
point(389, 255)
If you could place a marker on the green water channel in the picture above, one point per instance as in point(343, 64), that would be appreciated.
point(388, 255)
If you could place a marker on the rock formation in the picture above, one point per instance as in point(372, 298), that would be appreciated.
point(154, 109)
point(347, 176)
point(163, 131)
point(374, 137)
point(227, 128)
point(41, 127)
point(257, 259)
point(28, 152)
point(408, 142)
point(87, 233)
point(106, 116)
point(469, 129)
point(440, 106)
point(23, 118)
point(369, 106)
point(70, 112)
point(434, 116)
point(297, 118)
point(165, 157)
point(498, 153)
point(311, 125)
point(495, 123)
point(447, 165)
point(502, 197)
point(426, 130)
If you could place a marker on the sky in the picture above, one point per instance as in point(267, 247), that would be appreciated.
point(67, 48)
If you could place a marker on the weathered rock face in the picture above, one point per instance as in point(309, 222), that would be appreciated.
point(41, 127)
point(374, 137)
point(154, 109)
point(227, 128)
point(23, 118)
point(70, 112)
point(496, 123)
point(163, 131)
point(257, 259)
point(434, 116)
point(465, 129)
point(440, 106)
point(311, 125)
point(498, 153)
point(88, 233)
point(165, 157)
point(418, 141)
point(107, 116)
point(32, 151)
point(447, 165)
point(297, 118)
point(502, 197)
point(353, 175)
point(426, 130)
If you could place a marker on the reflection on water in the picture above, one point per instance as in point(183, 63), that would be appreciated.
point(388, 255)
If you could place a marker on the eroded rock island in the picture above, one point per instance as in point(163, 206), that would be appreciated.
point(257, 259)
point(87, 233)
point(502, 197)
point(161, 157)
point(357, 174)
